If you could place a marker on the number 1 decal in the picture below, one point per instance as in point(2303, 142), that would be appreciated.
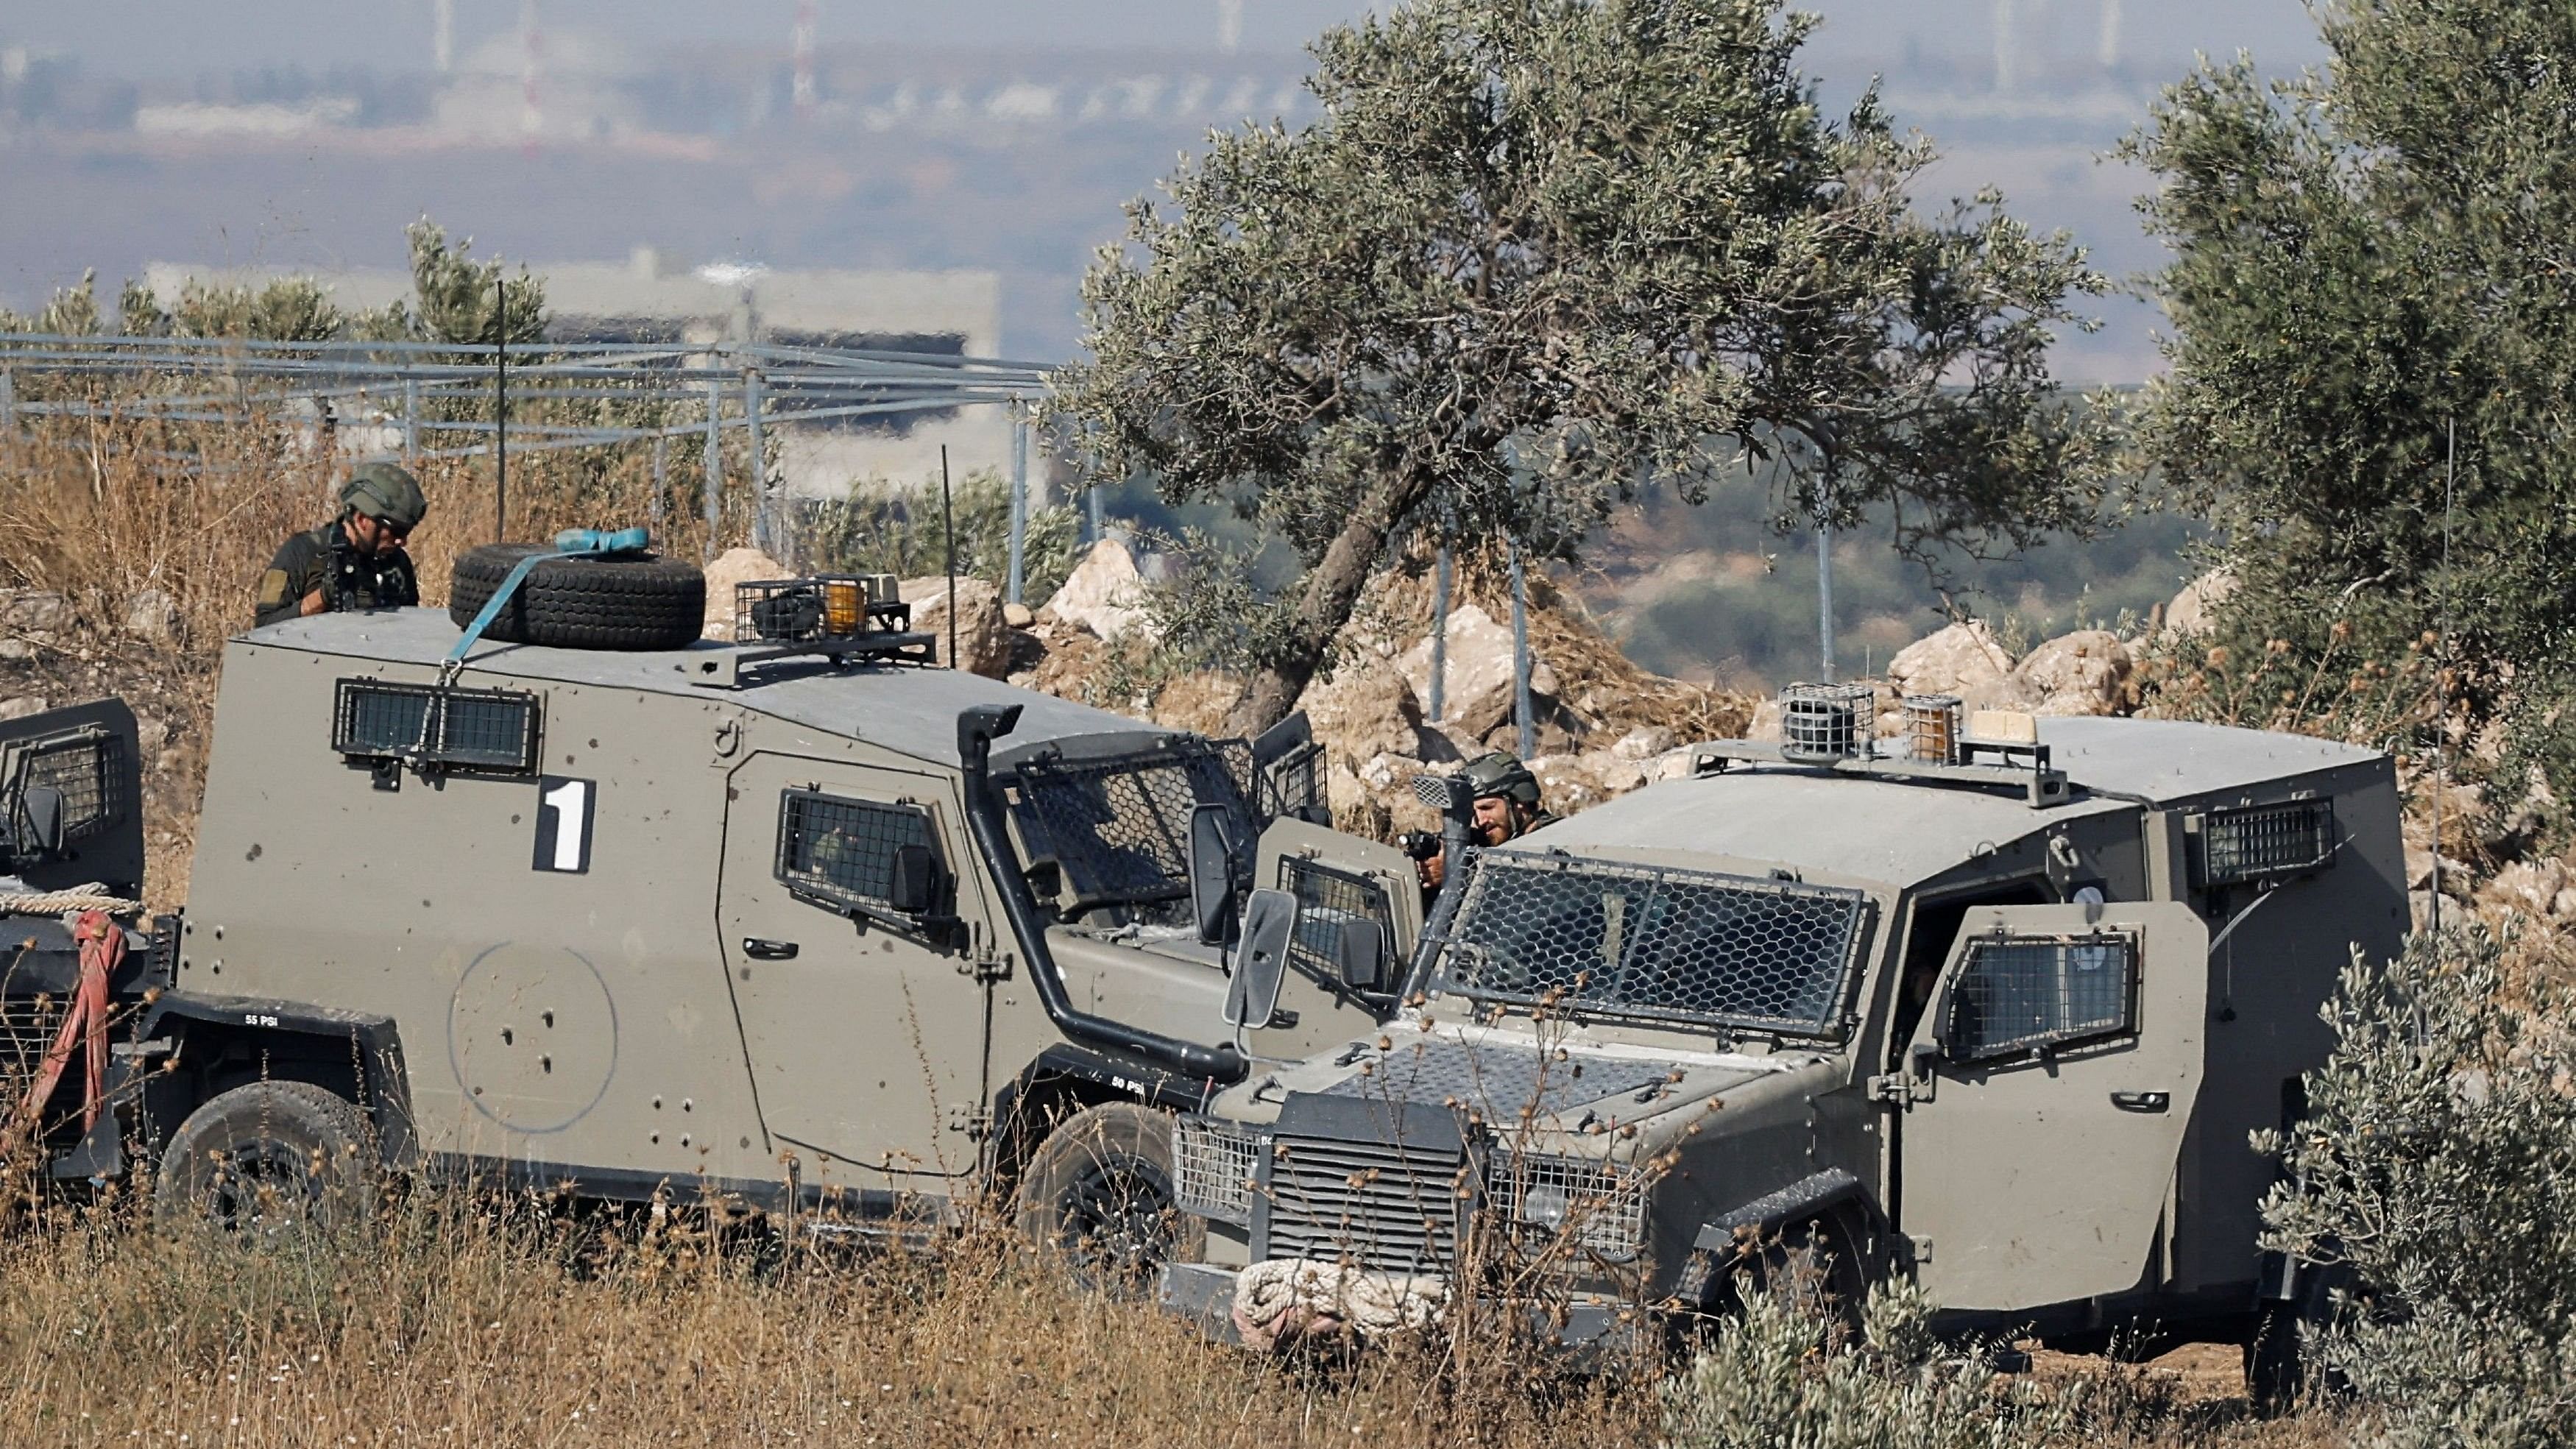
point(564, 808)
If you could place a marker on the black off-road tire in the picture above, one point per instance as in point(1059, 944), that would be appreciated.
point(615, 601)
point(269, 1159)
point(1098, 1192)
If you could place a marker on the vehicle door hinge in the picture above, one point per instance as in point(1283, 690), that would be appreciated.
point(1918, 1248)
point(974, 1121)
point(1899, 1089)
point(985, 965)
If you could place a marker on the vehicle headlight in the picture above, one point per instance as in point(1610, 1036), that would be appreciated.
point(1212, 1169)
point(1599, 1207)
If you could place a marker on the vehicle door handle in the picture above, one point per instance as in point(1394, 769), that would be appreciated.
point(760, 950)
point(2142, 1101)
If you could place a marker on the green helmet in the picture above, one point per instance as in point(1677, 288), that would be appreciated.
point(1503, 774)
point(386, 491)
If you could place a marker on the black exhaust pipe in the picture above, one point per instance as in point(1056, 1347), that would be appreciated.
point(977, 728)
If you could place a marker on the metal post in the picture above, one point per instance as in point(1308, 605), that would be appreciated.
point(1439, 632)
point(1521, 712)
point(1019, 500)
point(8, 406)
point(1098, 530)
point(1825, 601)
point(948, 536)
point(764, 518)
point(411, 419)
point(715, 467)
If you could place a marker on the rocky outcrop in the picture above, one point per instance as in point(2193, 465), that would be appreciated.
point(2087, 672)
point(1477, 685)
point(2192, 611)
point(983, 639)
point(1103, 595)
point(1368, 709)
point(1963, 659)
point(31, 620)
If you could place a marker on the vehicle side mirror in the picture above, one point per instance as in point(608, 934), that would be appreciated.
point(1261, 962)
point(914, 890)
point(1359, 953)
point(1213, 852)
point(40, 821)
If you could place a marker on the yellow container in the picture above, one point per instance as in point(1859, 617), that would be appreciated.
point(844, 605)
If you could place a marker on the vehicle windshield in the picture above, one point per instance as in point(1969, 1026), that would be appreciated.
point(1612, 939)
point(1119, 827)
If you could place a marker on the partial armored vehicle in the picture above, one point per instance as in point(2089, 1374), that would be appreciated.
point(797, 922)
point(1995, 1007)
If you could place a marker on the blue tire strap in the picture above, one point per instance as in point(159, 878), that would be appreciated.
point(571, 543)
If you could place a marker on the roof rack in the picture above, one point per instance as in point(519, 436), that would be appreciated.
point(820, 616)
point(1822, 730)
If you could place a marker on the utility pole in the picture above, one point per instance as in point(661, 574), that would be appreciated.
point(500, 409)
point(1439, 632)
point(714, 468)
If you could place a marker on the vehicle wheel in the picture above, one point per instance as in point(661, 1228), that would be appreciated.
point(1099, 1191)
point(268, 1157)
point(618, 601)
point(2276, 1371)
point(1814, 1262)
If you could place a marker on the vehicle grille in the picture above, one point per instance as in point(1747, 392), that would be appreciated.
point(27, 1028)
point(1363, 1203)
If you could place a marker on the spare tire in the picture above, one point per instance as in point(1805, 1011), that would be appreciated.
point(608, 601)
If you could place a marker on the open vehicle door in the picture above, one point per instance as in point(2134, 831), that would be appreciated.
point(1359, 914)
point(2048, 1090)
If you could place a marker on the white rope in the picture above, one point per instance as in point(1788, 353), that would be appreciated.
point(90, 897)
point(1286, 1297)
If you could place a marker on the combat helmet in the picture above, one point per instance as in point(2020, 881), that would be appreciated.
point(1502, 773)
point(387, 491)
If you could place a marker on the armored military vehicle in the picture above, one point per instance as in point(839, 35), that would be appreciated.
point(797, 920)
point(1994, 1005)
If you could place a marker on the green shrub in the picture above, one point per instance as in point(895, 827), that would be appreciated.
point(1783, 1375)
point(2438, 1160)
point(889, 528)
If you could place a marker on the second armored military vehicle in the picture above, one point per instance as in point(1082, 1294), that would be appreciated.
point(1996, 1006)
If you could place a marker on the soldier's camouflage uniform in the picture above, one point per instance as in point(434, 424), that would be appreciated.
point(322, 559)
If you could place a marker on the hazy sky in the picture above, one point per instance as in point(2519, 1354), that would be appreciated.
point(166, 37)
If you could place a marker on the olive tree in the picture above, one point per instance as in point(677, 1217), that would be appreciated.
point(1537, 253)
point(2370, 259)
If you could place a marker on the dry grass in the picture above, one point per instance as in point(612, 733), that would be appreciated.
point(457, 1321)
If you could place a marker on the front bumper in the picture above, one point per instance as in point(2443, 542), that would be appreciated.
point(1204, 1294)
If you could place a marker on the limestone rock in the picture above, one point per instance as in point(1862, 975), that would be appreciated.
point(1369, 708)
point(23, 706)
point(1198, 702)
point(983, 640)
point(1766, 722)
point(1018, 616)
point(2191, 610)
point(1570, 783)
point(152, 616)
point(734, 566)
point(2083, 673)
point(1645, 742)
point(2530, 887)
point(1103, 594)
point(1477, 689)
point(1959, 659)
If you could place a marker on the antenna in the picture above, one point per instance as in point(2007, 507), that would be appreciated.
point(500, 408)
point(948, 536)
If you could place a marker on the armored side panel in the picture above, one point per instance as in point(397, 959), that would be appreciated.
point(85, 757)
point(540, 928)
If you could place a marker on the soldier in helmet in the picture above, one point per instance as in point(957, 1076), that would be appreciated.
point(356, 561)
point(1507, 807)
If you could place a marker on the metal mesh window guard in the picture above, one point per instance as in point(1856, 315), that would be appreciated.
point(843, 851)
point(1596, 1207)
point(1293, 783)
point(88, 769)
point(2266, 840)
point(2016, 994)
point(1600, 937)
point(1212, 1166)
point(1120, 828)
point(474, 729)
point(1328, 901)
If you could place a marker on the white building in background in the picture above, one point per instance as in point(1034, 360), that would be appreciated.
point(648, 298)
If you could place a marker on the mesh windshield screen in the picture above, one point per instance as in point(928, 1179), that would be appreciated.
point(1598, 937)
point(2015, 994)
point(1120, 828)
point(844, 850)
